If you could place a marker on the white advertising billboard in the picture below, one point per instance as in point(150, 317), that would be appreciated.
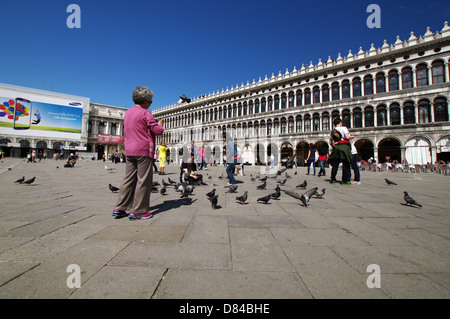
point(35, 113)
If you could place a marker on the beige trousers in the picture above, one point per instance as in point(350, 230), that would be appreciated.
point(134, 193)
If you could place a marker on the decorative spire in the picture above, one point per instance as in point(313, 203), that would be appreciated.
point(428, 35)
point(445, 32)
point(412, 39)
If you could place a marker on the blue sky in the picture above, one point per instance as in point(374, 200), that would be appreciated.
point(188, 47)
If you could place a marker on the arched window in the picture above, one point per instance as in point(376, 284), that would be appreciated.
point(263, 105)
point(334, 114)
point(307, 123)
point(250, 108)
point(283, 126)
point(393, 80)
point(325, 93)
point(257, 106)
point(368, 85)
point(422, 75)
point(101, 128)
point(113, 129)
point(277, 102)
point(394, 114)
point(356, 87)
point(276, 127)
point(325, 121)
point(240, 109)
point(316, 122)
point(298, 124)
point(283, 101)
point(299, 98)
point(244, 109)
point(346, 118)
point(381, 83)
point(291, 125)
point(407, 81)
point(440, 110)
point(269, 128)
point(270, 104)
point(234, 110)
point(357, 118)
point(409, 116)
point(335, 91)
point(381, 115)
point(424, 111)
point(345, 89)
point(437, 71)
point(291, 99)
point(316, 94)
point(368, 116)
point(307, 96)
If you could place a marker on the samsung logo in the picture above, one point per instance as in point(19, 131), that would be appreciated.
point(75, 103)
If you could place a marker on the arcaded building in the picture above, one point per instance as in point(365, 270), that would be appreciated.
point(394, 99)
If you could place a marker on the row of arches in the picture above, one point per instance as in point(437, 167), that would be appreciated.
point(416, 150)
point(422, 111)
point(395, 79)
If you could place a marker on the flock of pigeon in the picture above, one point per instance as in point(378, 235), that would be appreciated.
point(186, 189)
point(27, 182)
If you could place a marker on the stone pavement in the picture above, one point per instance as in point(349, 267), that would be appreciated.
point(189, 251)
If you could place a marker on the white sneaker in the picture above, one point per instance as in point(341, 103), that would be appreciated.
point(356, 183)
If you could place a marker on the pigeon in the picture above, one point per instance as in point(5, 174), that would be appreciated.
point(184, 192)
point(277, 193)
point(295, 173)
point(232, 188)
point(164, 182)
point(389, 182)
point(303, 185)
point(265, 199)
point(109, 168)
point(113, 188)
point(242, 199)
point(20, 180)
point(171, 181)
point(221, 176)
point(262, 186)
point(410, 201)
point(263, 179)
point(163, 190)
point(304, 198)
point(211, 193)
point(214, 200)
point(320, 196)
point(282, 182)
point(287, 175)
point(31, 180)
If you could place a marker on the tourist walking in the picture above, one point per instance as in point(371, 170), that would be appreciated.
point(311, 159)
point(161, 154)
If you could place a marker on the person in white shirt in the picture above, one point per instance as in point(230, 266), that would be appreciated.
point(341, 153)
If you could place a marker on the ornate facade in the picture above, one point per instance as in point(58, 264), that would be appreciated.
point(105, 129)
point(394, 99)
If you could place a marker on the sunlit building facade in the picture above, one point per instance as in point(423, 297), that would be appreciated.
point(394, 99)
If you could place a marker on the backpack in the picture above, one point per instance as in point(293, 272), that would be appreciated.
point(180, 152)
point(336, 135)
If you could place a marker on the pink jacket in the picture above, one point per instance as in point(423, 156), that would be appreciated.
point(140, 128)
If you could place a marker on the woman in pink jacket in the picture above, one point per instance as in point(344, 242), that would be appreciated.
point(140, 129)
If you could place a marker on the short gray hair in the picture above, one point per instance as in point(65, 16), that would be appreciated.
point(142, 94)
